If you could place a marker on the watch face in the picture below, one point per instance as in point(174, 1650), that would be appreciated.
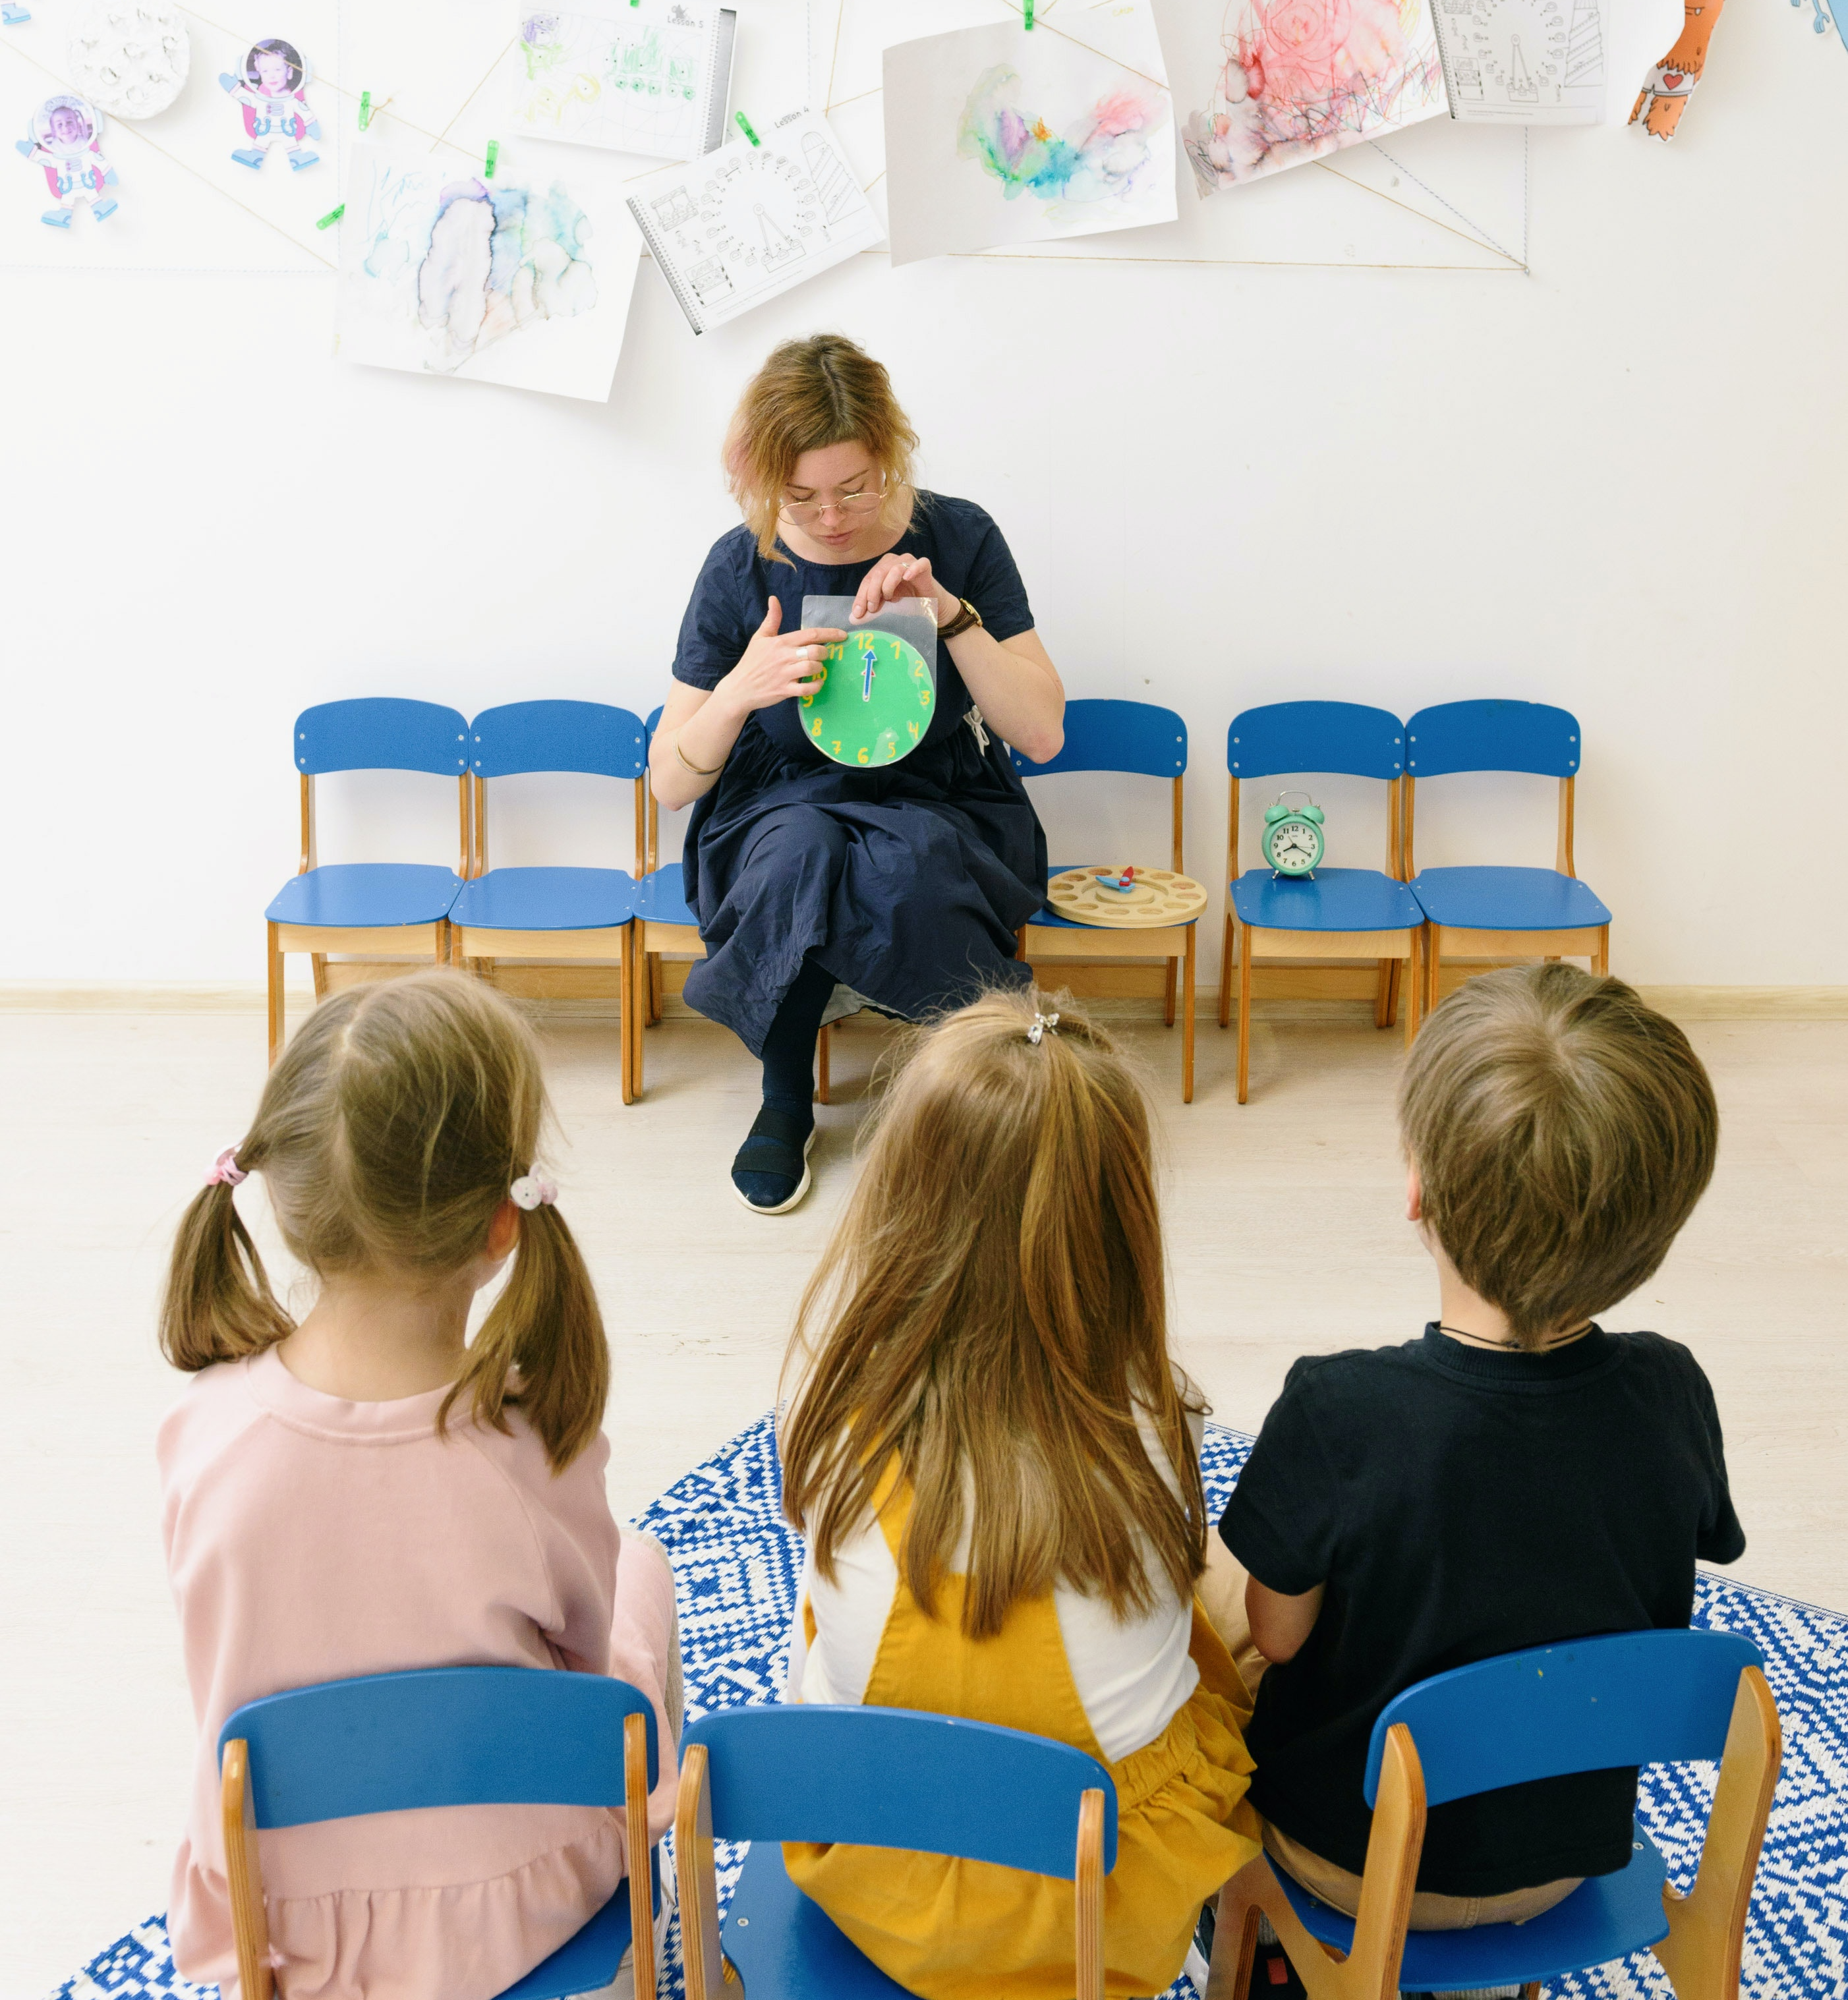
point(1292, 846)
point(874, 703)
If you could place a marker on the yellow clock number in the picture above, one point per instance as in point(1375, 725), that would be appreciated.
point(863, 758)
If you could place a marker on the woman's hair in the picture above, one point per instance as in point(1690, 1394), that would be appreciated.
point(990, 1309)
point(388, 1136)
point(1562, 1131)
point(809, 394)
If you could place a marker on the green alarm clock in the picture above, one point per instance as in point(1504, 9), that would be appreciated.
point(873, 700)
point(1292, 837)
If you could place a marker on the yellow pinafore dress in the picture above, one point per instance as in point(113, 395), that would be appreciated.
point(967, 1930)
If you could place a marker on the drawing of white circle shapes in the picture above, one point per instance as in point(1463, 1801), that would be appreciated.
point(130, 58)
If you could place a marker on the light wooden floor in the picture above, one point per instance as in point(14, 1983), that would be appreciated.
point(111, 1118)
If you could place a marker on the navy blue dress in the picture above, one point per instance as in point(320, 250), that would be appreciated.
point(908, 883)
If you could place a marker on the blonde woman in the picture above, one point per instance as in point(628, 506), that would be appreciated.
point(996, 1464)
point(906, 884)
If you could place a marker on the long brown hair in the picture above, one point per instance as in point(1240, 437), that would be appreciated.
point(991, 1309)
point(808, 395)
point(1563, 1131)
point(388, 1136)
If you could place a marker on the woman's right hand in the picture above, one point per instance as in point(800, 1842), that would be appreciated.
point(776, 664)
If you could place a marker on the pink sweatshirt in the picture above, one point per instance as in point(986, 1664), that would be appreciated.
point(313, 1539)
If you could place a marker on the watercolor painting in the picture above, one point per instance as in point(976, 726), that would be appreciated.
point(444, 272)
point(1297, 80)
point(996, 136)
point(641, 82)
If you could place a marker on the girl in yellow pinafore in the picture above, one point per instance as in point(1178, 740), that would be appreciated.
point(996, 1464)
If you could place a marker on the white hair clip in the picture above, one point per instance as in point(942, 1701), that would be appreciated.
point(1041, 1023)
point(530, 1192)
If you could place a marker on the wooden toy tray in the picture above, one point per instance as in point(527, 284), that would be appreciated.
point(1157, 897)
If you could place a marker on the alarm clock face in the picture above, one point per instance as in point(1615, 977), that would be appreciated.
point(1292, 846)
point(875, 701)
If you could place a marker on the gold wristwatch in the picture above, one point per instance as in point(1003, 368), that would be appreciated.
point(961, 622)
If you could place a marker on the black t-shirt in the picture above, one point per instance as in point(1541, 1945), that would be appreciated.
point(1457, 1503)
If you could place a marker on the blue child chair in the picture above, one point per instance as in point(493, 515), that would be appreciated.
point(1597, 1704)
point(375, 906)
point(872, 1777)
point(450, 1736)
point(1141, 739)
point(1332, 912)
point(573, 913)
point(1502, 913)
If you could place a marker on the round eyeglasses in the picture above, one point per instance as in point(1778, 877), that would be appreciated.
point(853, 506)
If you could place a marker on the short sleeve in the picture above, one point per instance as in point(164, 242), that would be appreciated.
point(1721, 1540)
point(718, 623)
point(995, 588)
point(1282, 1519)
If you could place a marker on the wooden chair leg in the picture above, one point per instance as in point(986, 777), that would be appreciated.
point(1225, 973)
point(657, 989)
point(1234, 1943)
point(625, 984)
point(319, 960)
point(641, 1888)
point(1415, 988)
point(1433, 968)
point(634, 1007)
point(1088, 1884)
point(823, 1037)
point(1394, 993)
point(276, 997)
point(445, 947)
point(1600, 959)
point(1244, 1010)
point(1382, 994)
point(1168, 1003)
point(695, 1875)
point(250, 1919)
point(1187, 975)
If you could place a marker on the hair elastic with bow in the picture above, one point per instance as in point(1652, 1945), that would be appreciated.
point(1041, 1023)
point(225, 1168)
point(530, 1191)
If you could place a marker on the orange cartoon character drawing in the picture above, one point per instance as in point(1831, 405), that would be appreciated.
point(1671, 83)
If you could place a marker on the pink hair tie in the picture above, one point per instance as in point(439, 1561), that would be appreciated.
point(530, 1191)
point(225, 1168)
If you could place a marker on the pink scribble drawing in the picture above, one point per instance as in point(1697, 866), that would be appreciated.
point(1302, 79)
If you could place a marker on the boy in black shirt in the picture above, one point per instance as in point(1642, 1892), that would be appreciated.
point(1516, 1477)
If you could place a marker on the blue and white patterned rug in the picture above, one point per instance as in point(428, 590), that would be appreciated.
point(737, 1565)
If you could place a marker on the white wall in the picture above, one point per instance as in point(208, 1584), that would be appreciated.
point(1615, 485)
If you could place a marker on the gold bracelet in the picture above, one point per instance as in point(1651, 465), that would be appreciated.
point(696, 769)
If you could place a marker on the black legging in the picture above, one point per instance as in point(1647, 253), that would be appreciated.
point(789, 1048)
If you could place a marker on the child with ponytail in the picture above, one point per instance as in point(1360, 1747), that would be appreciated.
point(367, 1492)
point(996, 1463)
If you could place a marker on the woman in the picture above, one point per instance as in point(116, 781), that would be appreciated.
point(905, 883)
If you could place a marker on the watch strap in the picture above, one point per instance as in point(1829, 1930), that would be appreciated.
point(962, 622)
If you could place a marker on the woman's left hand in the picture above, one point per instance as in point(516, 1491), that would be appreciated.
point(894, 576)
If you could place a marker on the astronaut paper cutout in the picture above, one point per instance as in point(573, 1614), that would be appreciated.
point(1671, 83)
point(63, 138)
point(12, 15)
point(271, 90)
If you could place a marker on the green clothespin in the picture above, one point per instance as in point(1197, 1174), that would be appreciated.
point(1027, 16)
point(494, 154)
point(332, 216)
point(744, 125)
point(365, 109)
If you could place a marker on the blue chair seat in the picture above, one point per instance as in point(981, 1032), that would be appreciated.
point(1050, 919)
point(366, 895)
point(546, 899)
point(1507, 899)
point(1339, 899)
point(1609, 1915)
point(786, 1947)
point(589, 1961)
point(661, 898)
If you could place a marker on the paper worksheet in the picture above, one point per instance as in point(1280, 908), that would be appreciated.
point(753, 219)
point(1522, 62)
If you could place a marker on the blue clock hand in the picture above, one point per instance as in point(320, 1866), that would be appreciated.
point(866, 681)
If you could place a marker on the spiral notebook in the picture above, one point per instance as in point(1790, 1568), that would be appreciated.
point(754, 220)
point(653, 79)
point(1522, 62)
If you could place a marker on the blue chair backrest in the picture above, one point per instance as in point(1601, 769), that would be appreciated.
point(450, 1736)
point(1593, 1705)
point(1492, 736)
point(654, 722)
point(888, 1777)
point(1345, 738)
point(1116, 736)
point(381, 733)
point(585, 736)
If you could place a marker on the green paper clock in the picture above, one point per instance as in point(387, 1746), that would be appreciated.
point(1292, 837)
point(875, 700)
